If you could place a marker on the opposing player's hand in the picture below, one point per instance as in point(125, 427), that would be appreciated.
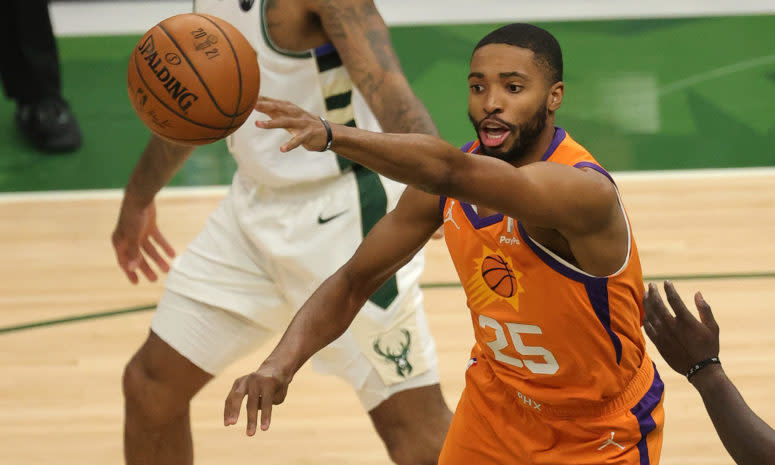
point(682, 340)
point(264, 387)
point(136, 237)
point(307, 129)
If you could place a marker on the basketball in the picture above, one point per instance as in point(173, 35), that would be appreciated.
point(193, 79)
point(498, 275)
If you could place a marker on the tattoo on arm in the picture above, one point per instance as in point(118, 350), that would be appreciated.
point(375, 68)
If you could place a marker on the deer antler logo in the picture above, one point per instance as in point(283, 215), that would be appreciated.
point(403, 367)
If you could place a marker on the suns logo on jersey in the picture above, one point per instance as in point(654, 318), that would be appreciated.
point(495, 280)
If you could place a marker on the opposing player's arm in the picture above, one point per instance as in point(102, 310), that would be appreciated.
point(157, 165)
point(683, 341)
point(136, 235)
point(362, 39)
point(393, 241)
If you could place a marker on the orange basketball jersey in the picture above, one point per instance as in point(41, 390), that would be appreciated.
point(557, 336)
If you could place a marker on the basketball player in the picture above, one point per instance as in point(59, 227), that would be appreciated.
point(286, 224)
point(558, 373)
point(691, 348)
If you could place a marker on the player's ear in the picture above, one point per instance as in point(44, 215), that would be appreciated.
point(554, 99)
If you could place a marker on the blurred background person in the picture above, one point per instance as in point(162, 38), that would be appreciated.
point(29, 70)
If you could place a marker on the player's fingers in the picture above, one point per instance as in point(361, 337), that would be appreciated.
point(133, 256)
point(678, 306)
point(253, 406)
point(159, 238)
point(274, 107)
point(147, 271)
point(265, 104)
point(267, 400)
point(123, 259)
point(648, 327)
point(132, 276)
point(653, 305)
point(295, 141)
point(151, 251)
point(282, 122)
point(233, 403)
point(706, 315)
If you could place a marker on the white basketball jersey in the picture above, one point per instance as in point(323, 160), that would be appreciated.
point(315, 80)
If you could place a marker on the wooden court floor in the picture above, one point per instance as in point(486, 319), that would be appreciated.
point(60, 394)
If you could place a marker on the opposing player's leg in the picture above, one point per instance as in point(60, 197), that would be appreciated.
point(188, 344)
point(387, 355)
point(158, 386)
point(200, 326)
point(393, 368)
point(413, 424)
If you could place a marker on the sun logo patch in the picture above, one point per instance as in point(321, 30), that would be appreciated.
point(495, 280)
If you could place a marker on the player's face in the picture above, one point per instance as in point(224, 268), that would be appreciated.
point(507, 98)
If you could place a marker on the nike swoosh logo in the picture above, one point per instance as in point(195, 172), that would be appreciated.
point(322, 220)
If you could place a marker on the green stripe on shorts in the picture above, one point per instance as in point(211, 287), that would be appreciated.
point(373, 208)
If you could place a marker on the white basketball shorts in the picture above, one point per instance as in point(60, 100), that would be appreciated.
point(261, 255)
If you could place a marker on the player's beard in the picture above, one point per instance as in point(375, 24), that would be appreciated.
point(527, 135)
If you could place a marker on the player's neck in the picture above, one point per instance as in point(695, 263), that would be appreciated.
point(537, 151)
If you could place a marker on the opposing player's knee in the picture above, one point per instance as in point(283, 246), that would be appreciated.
point(409, 452)
point(412, 440)
point(413, 425)
point(149, 398)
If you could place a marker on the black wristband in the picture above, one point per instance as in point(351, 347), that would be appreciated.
point(329, 134)
point(700, 365)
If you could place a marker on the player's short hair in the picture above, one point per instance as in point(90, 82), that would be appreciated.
point(540, 41)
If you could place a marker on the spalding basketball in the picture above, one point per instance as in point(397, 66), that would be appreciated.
point(193, 79)
point(498, 275)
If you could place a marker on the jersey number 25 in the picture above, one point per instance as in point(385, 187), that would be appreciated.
point(548, 367)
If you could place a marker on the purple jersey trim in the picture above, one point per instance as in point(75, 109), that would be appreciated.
point(478, 222)
point(473, 217)
point(559, 136)
point(324, 49)
point(442, 201)
point(642, 412)
point(554, 264)
point(596, 287)
point(596, 167)
point(597, 292)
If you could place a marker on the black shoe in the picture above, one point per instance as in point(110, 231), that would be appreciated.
point(49, 125)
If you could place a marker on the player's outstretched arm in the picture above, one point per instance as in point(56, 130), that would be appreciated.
point(577, 202)
point(684, 342)
point(136, 235)
point(391, 243)
point(362, 40)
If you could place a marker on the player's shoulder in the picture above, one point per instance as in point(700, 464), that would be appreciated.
point(567, 144)
point(470, 146)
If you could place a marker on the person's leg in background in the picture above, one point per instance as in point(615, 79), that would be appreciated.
point(29, 70)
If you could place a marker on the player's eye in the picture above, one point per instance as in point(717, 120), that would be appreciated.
point(476, 88)
point(514, 88)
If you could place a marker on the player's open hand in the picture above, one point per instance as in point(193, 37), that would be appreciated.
point(307, 129)
point(264, 387)
point(682, 340)
point(136, 237)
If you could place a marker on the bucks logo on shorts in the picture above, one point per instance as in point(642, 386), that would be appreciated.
point(403, 367)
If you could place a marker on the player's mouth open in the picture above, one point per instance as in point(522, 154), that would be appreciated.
point(493, 135)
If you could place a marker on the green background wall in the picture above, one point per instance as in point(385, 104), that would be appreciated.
point(640, 94)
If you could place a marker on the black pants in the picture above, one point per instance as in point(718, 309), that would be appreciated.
point(29, 61)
